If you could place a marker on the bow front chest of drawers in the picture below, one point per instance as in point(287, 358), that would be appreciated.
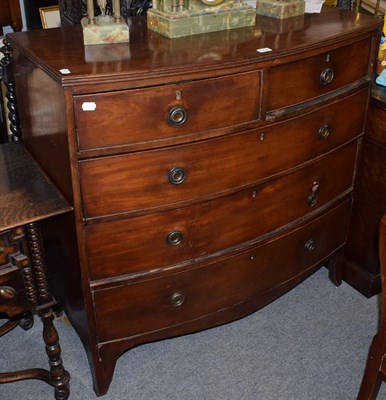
point(207, 177)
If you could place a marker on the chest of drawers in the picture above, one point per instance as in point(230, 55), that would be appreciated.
point(207, 178)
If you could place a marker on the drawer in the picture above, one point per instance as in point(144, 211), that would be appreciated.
point(295, 82)
point(159, 303)
point(13, 297)
point(177, 175)
point(158, 113)
point(11, 242)
point(158, 240)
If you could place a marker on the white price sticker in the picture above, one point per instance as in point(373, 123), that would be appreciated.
point(89, 106)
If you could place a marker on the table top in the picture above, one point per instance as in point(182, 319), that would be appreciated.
point(26, 193)
point(60, 52)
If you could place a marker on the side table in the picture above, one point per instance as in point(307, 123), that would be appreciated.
point(27, 197)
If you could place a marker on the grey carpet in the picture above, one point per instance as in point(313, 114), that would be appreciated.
point(311, 344)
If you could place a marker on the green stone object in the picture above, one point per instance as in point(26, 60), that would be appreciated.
point(281, 9)
point(192, 17)
point(104, 31)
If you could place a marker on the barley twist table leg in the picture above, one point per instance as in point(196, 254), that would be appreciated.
point(59, 377)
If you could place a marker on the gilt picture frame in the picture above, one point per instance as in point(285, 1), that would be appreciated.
point(50, 17)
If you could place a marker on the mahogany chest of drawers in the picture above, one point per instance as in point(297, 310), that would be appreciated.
point(208, 176)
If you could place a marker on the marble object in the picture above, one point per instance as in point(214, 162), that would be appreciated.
point(281, 9)
point(175, 19)
point(105, 30)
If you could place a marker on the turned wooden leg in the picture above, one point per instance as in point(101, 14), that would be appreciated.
point(13, 114)
point(59, 377)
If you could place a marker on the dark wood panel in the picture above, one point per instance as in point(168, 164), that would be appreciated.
point(361, 266)
point(10, 14)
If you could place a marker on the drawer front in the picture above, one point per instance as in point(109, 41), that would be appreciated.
point(11, 242)
point(293, 83)
point(157, 240)
point(13, 297)
point(170, 300)
point(159, 113)
point(147, 180)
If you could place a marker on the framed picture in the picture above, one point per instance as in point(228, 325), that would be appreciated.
point(50, 17)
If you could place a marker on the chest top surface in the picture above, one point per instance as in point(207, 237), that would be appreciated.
point(154, 55)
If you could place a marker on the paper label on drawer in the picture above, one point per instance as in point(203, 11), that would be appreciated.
point(89, 106)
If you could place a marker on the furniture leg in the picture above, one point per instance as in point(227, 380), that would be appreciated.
point(59, 377)
point(373, 376)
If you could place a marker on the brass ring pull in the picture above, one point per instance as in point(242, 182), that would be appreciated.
point(309, 246)
point(177, 299)
point(174, 238)
point(324, 132)
point(326, 76)
point(177, 116)
point(313, 197)
point(177, 175)
point(7, 293)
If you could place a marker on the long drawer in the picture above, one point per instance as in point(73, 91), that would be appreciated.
point(157, 240)
point(295, 82)
point(158, 113)
point(127, 183)
point(177, 298)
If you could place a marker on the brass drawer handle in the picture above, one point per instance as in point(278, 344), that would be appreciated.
point(326, 76)
point(177, 299)
point(177, 176)
point(324, 132)
point(309, 246)
point(7, 293)
point(177, 116)
point(174, 238)
point(314, 195)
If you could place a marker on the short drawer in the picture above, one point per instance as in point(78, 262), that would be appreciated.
point(157, 240)
point(159, 303)
point(177, 175)
point(163, 112)
point(299, 81)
